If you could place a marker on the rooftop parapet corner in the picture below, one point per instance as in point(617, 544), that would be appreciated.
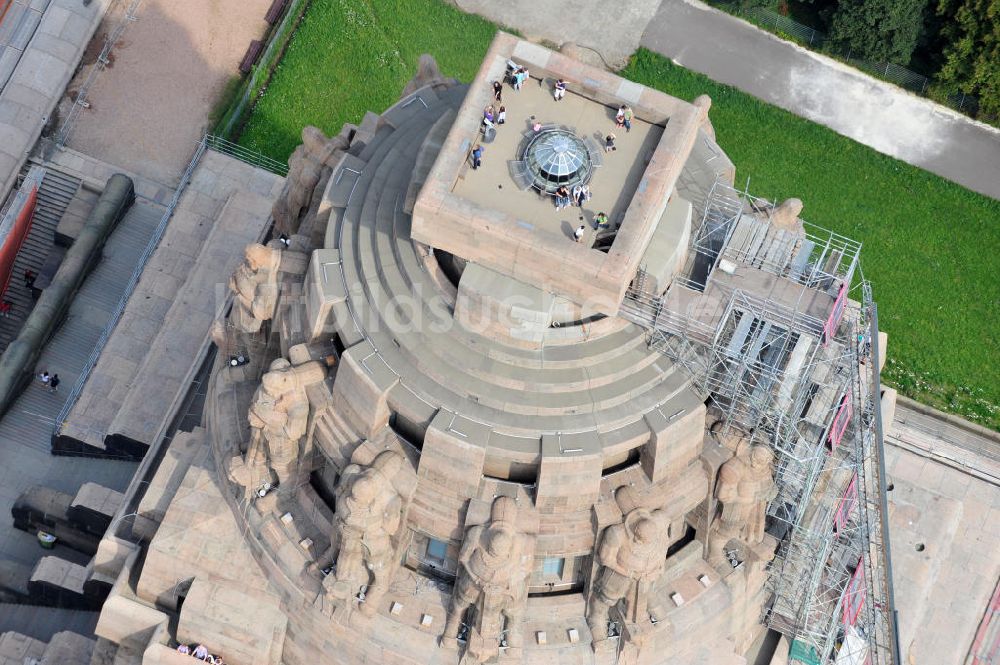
point(486, 217)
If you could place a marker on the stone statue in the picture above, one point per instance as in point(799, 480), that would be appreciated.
point(305, 170)
point(255, 285)
point(493, 569)
point(368, 515)
point(632, 555)
point(744, 487)
point(786, 215)
point(278, 417)
point(428, 73)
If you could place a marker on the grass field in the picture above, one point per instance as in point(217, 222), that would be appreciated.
point(931, 248)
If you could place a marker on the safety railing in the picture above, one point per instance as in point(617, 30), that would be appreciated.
point(102, 341)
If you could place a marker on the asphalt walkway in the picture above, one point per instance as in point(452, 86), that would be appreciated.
point(877, 114)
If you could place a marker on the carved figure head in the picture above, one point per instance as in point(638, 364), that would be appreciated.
point(258, 256)
point(761, 457)
point(645, 531)
point(504, 510)
point(277, 380)
point(499, 542)
point(365, 488)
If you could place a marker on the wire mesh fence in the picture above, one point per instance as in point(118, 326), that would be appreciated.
point(791, 29)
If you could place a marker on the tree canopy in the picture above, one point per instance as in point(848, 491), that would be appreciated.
point(878, 30)
point(971, 31)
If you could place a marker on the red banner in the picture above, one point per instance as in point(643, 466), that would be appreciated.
point(15, 238)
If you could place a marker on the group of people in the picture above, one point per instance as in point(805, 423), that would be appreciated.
point(579, 196)
point(493, 117)
point(623, 118)
point(51, 381)
point(601, 223)
point(201, 653)
point(563, 197)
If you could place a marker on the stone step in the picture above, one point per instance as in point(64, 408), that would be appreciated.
point(379, 256)
point(427, 155)
point(384, 220)
point(184, 333)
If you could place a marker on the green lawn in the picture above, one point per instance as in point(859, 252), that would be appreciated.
point(931, 247)
point(352, 56)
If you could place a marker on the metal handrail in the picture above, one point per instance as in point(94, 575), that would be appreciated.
point(80, 102)
point(252, 157)
point(102, 341)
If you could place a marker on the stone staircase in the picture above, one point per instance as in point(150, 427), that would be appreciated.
point(54, 197)
point(603, 383)
point(65, 648)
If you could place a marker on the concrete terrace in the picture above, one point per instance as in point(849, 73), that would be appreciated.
point(612, 185)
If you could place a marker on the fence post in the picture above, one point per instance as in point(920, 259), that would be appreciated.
point(886, 75)
point(923, 87)
point(811, 35)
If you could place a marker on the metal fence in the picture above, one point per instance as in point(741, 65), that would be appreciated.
point(208, 142)
point(103, 60)
point(252, 88)
point(819, 41)
point(252, 157)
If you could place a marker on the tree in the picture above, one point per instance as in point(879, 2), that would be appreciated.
point(879, 30)
point(972, 52)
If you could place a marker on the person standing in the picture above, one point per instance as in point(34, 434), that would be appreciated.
point(562, 197)
point(578, 234)
point(609, 143)
point(477, 157)
point(620, 116)
point(497, 91)
point(583, 195)
point(627, 118)
point(54, 383)
point(29, 278)
point(502, 115)
point(560, 90)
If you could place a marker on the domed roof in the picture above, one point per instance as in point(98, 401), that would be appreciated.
point(557, 157)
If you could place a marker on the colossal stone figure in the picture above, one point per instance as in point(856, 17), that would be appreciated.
point(369, 513)
point(428, 73)
point(632, 555)
point(786, 214)
point(745, 485)
point(493, 569)
point(305, 170)
point(255, 285)
point(278, 417)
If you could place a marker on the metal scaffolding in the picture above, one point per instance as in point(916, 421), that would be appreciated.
point(805, 385)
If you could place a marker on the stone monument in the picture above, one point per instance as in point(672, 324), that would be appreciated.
point(494, 564)
point(483, 495)
point(255, 288)
point(631, 557)
point(305, 171)
point(368, 517)
point(745, 485)
point(278, 417)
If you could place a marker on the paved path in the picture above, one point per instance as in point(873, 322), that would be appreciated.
point(874, 113)
point(727, 49)
point(151, 106)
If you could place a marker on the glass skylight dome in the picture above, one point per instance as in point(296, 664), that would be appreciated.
point(557, 157)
